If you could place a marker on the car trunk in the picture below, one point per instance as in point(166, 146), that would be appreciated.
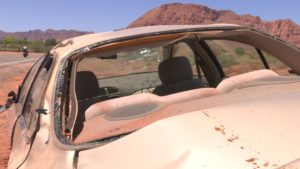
point(254, 126)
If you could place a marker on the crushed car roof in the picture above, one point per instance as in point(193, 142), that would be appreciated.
point(271, 44)
point(89, 39)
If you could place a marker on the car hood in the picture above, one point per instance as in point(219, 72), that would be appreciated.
point(253, 133)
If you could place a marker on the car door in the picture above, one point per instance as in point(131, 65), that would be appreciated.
point(23, 117)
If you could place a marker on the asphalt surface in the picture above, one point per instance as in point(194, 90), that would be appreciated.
point(8, 59)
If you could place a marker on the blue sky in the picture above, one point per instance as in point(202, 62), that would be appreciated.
point(97, 15)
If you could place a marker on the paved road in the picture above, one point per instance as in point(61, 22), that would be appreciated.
point(7, 59)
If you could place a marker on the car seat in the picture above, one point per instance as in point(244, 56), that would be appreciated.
point(176, 75)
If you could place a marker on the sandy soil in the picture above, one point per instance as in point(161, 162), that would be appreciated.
point(10, 78)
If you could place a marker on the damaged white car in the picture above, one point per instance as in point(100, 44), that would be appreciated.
point(160, 97)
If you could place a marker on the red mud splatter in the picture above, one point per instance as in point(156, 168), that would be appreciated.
point(266, 164)
point(221, 129)
point(233, 138)
point(250, 160)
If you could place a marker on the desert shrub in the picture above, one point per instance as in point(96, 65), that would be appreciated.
point(9, 40)
point(227, 60)
point(240, 51)
point(37, 46)
point(50, 43)
point(10, 43)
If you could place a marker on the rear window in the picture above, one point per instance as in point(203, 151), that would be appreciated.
point(234, 57)
point(183, 50)
point(276, 65)
point(119, 96)
point(129, 72)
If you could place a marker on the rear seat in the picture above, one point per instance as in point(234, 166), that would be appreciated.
point(190, 95)
point(233, 82)
point(136, 102)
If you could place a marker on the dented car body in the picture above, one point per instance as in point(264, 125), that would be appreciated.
point(210, 96)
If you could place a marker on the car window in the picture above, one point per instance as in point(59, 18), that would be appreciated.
point(276, 65)
point(234, 57)
point(183, 50)
point(28, 80)
point(35, 94)
point(127, 72)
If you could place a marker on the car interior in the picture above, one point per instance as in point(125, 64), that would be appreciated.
point(132, 83)
point(176, 75)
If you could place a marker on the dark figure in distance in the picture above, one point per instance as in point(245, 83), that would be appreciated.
point(25, 51)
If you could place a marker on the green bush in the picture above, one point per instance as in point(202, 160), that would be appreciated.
point(37, 46)
point(10, 43)
point(50, 43)
point(227, 60)
point(240, 51)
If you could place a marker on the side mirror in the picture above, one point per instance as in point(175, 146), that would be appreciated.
point(11, 99)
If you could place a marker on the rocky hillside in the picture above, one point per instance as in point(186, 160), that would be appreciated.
point(178, 13)
point(59, 35)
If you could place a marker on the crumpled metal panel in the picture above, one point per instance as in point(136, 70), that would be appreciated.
point(249, 134)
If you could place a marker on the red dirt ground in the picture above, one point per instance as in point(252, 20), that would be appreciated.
point(10, 78)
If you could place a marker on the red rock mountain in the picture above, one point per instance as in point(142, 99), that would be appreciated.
point(59, 35)
point(178, 13)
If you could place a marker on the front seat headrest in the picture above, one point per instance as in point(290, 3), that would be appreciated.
point(87, 85)
point(175, 70)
